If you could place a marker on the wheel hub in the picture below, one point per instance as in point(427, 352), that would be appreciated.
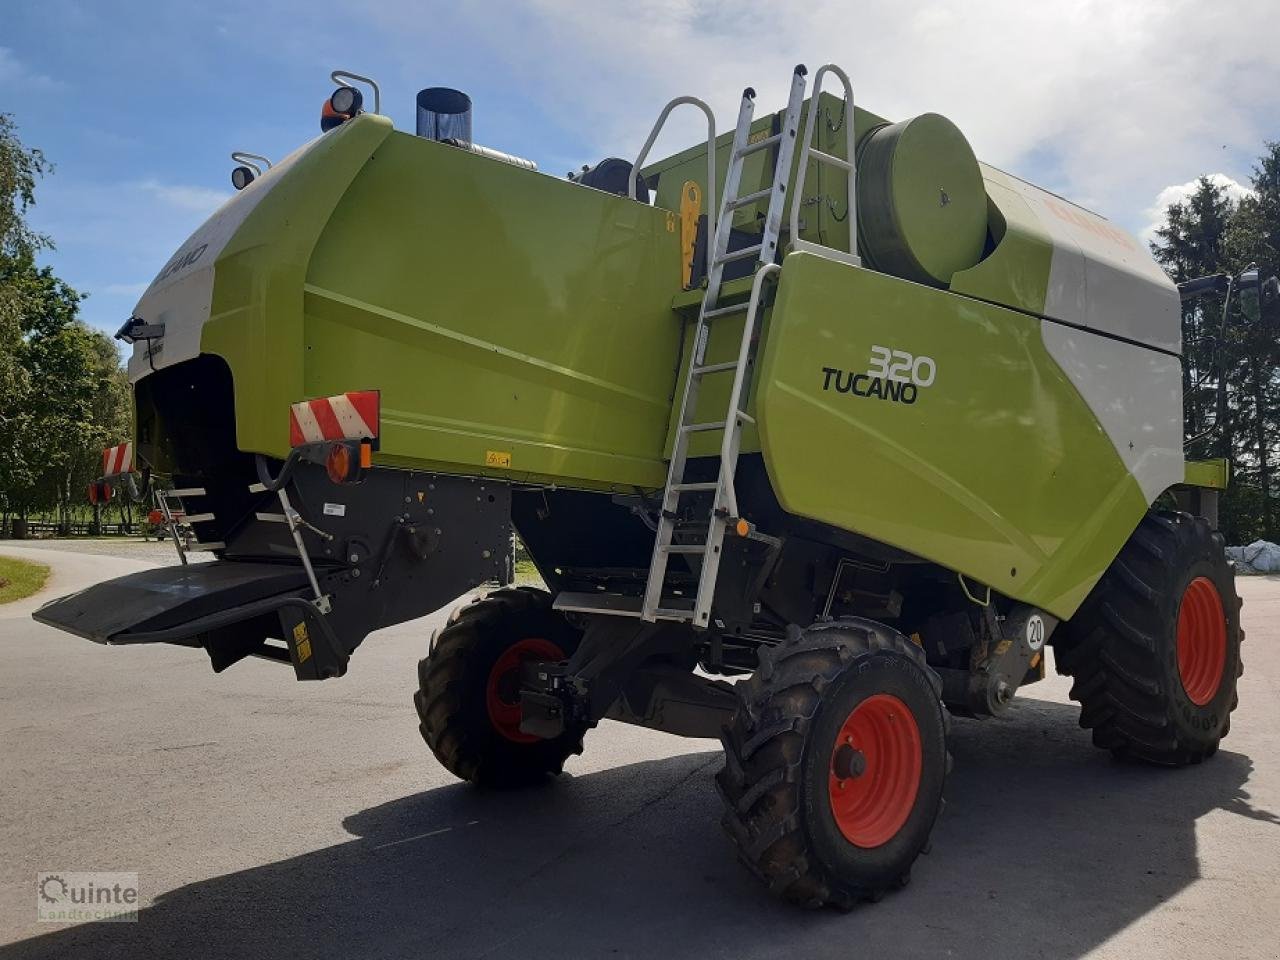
point(875, 771)
point(848, 762)
point(502, 692)
point(1202, 641)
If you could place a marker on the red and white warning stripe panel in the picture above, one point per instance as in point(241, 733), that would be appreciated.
point(117, 460)
point(347, 416)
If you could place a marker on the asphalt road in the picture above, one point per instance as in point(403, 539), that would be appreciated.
point(269, 818)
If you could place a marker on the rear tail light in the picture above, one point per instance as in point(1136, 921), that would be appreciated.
point(100, 492)
point(347, 460)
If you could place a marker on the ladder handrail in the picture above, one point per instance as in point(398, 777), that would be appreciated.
point(851, 143)
point(711, 159)
point(731, 439)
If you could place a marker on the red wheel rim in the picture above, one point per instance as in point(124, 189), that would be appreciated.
point(874, 774)
point(502, 692)
point(1202, 641)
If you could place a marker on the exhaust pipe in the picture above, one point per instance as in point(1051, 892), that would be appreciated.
point(444, 114)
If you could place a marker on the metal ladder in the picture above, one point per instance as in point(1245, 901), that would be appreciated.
point(724, 506)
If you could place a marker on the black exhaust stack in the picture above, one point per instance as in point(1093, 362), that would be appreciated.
point(444, 114)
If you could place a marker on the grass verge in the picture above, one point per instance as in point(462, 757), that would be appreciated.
point(19, 579)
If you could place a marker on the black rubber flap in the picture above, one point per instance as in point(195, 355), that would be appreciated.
point(167, 597)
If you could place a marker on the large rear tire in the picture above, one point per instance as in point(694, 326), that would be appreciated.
point(1155, 649)
point(468, 689)
point(835, 763)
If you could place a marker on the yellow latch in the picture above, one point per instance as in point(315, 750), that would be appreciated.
point(690, 210)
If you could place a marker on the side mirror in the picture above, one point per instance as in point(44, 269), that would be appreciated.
point(1259, 293)
point(1250, 287)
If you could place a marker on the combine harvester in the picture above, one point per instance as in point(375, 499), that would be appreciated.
point(823, 403)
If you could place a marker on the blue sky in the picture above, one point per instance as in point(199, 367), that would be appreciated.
point(1117, 104)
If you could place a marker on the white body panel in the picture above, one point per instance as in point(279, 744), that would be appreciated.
point(181, 296)
point(1135, 393)
point(1102, 277)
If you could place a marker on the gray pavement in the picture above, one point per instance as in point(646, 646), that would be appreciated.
point(269, 818)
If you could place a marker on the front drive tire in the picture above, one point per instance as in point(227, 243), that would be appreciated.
point(468, 689)
point(835, 763)
point(1155, 649)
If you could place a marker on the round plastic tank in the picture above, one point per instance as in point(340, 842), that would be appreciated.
point(444, 114)
point(922, 208)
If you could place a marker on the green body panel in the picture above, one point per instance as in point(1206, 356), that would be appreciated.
point(500, 311)
point(1213, 474)
point(1016, 272)
point(256, 319)
point(998, 470)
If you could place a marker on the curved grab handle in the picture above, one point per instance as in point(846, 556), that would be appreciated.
point(272, 484)
point(851, 144)
point(340, 77)
point(711, 160)
point(251, 161)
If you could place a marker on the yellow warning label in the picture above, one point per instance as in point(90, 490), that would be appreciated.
point(497, 458)
point(302, 642)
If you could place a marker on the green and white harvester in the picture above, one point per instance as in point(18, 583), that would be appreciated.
point(822, 403)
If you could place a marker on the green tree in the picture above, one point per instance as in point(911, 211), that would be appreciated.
point(63, 396)
point(1209, 234)
point(1254, 237)
point(1192, 243)
point(20, 167)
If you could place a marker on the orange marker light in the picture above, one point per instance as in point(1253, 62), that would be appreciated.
point(338, 463)
point(742, 527)
point(366, 454)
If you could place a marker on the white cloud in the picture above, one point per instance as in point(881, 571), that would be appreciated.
point(1180, 193)
point(202, 200)
point(14, 73)
point(1114, 98)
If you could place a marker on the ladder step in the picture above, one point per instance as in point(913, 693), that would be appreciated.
point(196, 518)
point(694, 487)
point(759, 145)
point(272, 517)
point(624, 606)
point(685, 548)
point(184, 492)
point(747, 199)
point(703, 427)
point(742, 254)
point(831, 159)
point(716, 424)
point(714, 368)
point(257, 488)
point(725, 311)
point(666, 613)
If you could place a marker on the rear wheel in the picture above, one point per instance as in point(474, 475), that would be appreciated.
point(468, 697)
point(1155, 649)
point(835, 763)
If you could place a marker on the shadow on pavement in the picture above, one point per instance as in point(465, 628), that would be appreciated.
point(1047, 848)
